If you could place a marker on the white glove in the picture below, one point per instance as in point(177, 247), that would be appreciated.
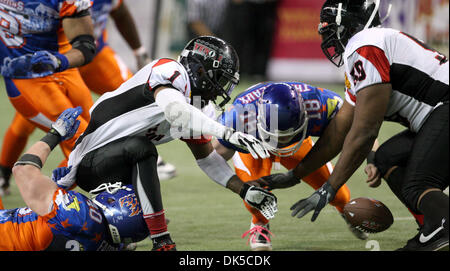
point(261, 199)
point(246, 142)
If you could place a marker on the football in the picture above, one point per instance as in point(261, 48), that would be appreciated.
point(368, 215)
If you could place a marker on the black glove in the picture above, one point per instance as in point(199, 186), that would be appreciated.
point(319, 199)
point(279, 180)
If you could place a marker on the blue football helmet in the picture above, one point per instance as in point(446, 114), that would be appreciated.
point(282, 120)
point(123, 212)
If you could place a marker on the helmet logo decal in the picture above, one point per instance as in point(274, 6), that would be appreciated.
point(204, 50)
point(131, 203)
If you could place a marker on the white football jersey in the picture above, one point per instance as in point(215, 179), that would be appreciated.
point(131, 110)
point(418, 74)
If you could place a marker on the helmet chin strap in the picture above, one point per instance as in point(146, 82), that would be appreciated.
point(372, 16)
point(387, 14)
point(338, 22)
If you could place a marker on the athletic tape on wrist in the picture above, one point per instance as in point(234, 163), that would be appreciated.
point(52, 138)
point(29, 159)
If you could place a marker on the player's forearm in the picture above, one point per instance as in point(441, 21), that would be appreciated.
point(125, 25)
point(357, 146)
point(235, 184)
point(181, 114)
point(326, 148)
point(80, 33)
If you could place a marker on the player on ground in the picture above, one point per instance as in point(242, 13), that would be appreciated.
point(392, 76)
point(57, 219)
point(284, 116)
point(154, 107)
point(106, 72)
point(37, 61)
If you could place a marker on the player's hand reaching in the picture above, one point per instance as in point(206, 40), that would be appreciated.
point(319, 199)
point(279, 180)
point(67, 124)
point(246, 142)
point(60, 172)
point(44, 63)
point(373, 175)
point(260, 199)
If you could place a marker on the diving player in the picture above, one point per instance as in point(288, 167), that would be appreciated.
point(156, 106)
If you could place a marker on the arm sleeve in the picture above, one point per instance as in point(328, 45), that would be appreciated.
point(181, 114)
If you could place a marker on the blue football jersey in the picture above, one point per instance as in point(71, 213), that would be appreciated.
point(28, 26)
point(320, 104)
point(74, 223)
point(100, 14)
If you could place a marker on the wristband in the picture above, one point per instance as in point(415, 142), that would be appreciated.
point(52, 138)
point(29, 159)
point(139, 51)
point(244, 190)
point(371, 157)
point(63, 62)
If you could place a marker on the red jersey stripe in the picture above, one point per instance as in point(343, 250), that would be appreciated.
point(377, 57)
point(162, 61)
point(352, 97)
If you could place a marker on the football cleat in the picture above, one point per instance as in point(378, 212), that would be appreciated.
point(436, 240)
point(259, 237)
point(164, 243)
point(165, 170)
point(359, 233)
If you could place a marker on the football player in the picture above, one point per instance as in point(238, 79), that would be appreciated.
point(392, 76)
point(57, 219)
point(42, 42)
point(154, 107)
point(284, 116)
point(104, 73)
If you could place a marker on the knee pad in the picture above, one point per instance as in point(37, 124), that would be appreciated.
point(137, 148)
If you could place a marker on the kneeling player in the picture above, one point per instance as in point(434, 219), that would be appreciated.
point(283, 116)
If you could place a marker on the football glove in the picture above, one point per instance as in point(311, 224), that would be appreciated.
point(279, 180)
point(260, 199)
point(60, 172)
point(319, 199)
point(246, 142)
point(67, 124)
point(44, 63)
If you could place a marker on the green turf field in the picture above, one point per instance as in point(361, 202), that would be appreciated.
point(205, 216)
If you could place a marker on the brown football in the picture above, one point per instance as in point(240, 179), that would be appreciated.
point(369, 215)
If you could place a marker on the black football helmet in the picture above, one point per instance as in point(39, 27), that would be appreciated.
point(213, 68)
point(340, 20)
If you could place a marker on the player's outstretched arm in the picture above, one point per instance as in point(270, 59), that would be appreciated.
point(37, 189)
point(225, 152)
point(217, 168)
point(329, 144)
point(187, 117)
point(368, 117)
